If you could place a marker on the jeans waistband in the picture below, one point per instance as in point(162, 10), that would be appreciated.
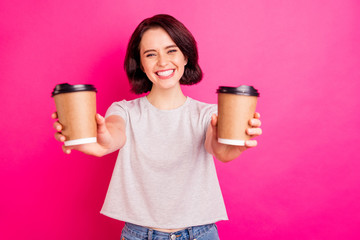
point(148, 233)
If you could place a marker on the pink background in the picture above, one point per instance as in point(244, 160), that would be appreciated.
point(301, 182)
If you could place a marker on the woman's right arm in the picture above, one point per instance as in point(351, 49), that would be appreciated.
point(110, 136)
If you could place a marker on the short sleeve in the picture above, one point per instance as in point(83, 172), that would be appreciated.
point(119, 109)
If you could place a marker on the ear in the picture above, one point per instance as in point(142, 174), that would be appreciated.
point(186, 61)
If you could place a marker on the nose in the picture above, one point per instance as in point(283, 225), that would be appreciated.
point(162, 60)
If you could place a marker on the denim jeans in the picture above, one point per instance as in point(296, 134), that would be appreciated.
point(203, 232)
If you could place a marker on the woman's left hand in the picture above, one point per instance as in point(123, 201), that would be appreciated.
point(224, 152)
point(254, 131)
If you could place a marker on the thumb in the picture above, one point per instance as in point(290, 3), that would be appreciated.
point(100, 120)
point(214, 119)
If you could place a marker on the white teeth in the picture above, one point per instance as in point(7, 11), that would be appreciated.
point(165, 73)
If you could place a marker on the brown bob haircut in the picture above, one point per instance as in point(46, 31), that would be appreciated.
point(179, 34)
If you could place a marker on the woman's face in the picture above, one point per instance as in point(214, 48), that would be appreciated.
point(161, 60)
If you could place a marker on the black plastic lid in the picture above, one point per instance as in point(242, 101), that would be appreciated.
point(241, 90)
point(67, 88)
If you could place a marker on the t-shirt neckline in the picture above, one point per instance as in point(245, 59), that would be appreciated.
point(148, 103)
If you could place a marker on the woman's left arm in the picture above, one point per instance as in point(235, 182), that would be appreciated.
point(227, 153)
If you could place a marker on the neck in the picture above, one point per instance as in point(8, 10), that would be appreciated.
point(166, 99)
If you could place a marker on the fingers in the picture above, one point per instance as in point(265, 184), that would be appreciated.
point(254, 131)
point(57, 126)
point(255, 122)
point(58, 136)
point(66, 150)
point(61, 138)
point(54, 115)
point(250, 143)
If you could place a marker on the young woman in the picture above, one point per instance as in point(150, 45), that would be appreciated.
point(164, 184)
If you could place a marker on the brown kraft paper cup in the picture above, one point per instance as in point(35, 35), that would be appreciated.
point(76, 109)
point(236, 106)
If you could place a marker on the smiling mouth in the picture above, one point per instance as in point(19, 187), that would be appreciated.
point(166, 73)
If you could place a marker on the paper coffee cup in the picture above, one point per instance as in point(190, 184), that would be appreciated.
point(76, 109)
point(236, 106)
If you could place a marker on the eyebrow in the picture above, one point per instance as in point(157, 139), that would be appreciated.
point(153, 50)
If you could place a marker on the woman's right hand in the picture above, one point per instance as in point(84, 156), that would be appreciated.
point(110, 136)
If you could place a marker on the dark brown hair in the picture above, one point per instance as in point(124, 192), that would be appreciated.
point(179, 34)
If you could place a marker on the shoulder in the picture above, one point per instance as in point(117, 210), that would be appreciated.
point(127, 104)
point(202, 107)
point(123, 107)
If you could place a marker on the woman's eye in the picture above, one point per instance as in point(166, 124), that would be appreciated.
point(150, 55)
point(172, 51)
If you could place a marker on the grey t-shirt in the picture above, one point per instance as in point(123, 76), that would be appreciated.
point(163, 176)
